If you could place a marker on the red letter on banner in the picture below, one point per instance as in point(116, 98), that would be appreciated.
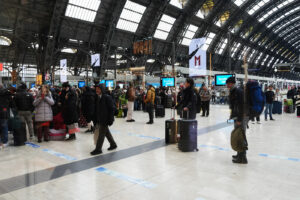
point(197, 59)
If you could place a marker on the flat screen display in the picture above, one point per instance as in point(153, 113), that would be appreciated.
point(14, 85)
point(32, 85)
point(155, 85)
point(102, 82)
point(81, 84)
point(168, 82)
point(109, 83)
point(199, 85)
point(220, 79)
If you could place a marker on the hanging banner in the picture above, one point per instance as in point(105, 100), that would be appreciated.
point(197, 57)
point(95, 60)
point(1, 67)
point(63, 71)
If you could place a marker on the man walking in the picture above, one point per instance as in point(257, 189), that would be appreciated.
point(270, 96)
point(103, 117)
point(238, 113)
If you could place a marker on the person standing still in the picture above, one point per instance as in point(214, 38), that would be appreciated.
point(131, 97)
point(270, 96)
point(103, 117)
point(149, 101)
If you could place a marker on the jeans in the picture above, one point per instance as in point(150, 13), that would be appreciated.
point(268, 110)
point(3, 131)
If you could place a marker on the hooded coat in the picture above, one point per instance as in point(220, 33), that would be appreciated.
point(69, 107)
point(5, 103)
point(43, 110)
point(189, 100)
point(88, 104)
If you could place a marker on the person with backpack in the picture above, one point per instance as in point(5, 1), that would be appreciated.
point(24, 104)
point(130, 96)
point(270, 97)
point(189, 100)
point(103, 117)
point(238, 114)
point(149, 101)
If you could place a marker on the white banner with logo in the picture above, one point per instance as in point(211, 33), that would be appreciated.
point(95, 60)
point(197, 57)
point(63, 70)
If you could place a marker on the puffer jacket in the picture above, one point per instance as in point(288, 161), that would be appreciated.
point(24, 100)
point(5, 103)
point(150, 96)
point(43, 108)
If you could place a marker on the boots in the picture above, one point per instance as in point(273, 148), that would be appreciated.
point(241, 158)
point(71, 137)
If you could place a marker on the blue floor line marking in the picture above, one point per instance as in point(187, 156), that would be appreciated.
point(214, 147)
point(279, 157)
point(32, 145)
point(60, 155)
point(144, 136)
point(127, 178)
point(209, 129)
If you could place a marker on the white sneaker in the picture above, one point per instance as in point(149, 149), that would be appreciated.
point(5, 145)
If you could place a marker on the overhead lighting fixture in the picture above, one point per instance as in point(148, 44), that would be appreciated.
point(114, 56)
point(150, 61)
point(6, 30)
point(69, 50)
point(4, 41)
point(177, 64)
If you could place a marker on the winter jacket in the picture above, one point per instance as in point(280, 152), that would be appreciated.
point(189, 100)
point(69, 107)
point(88, 103)
point(56, 107)
point(150, 96)
point(205, 95)
point(104, 110)
point(43, 110)
point(270, 95)
point(5, 103)
point(236, 104)
point(24, 100)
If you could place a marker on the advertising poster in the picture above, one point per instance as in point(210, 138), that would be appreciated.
point(63, 72)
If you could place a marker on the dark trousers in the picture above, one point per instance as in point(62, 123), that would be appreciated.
point(205, 108)
point(104, 132)
point(257, 119)
point(150, 110)
point(213, 98)
point(42, 131)
point(125, 112)
point(298, 111)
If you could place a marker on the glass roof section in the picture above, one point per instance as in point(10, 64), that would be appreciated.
point(83, 10)
point(131, 16)
point(282, 26)
point(222, 47)
point(177, 4)
point(4, 41)
point(164, 27)
point(205, 9)
point(208, 41)
point(260, 55)
point(239, 2)
point(234, 49)
point(189, 35)
point(257, 6)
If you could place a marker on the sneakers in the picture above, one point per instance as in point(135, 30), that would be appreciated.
point(96, 152)
point(71, 137)
point(5, 145)
point(112, 147)
point(131, 120)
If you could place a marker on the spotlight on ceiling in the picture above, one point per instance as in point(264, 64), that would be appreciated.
point(150, 61)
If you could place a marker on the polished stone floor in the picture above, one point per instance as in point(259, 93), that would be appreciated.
point(144, 168)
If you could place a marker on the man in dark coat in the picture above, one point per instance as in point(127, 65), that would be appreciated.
point(5, 104)
point(103, 117)
point(88, 105)
point(238, 114)
point(189, 100)
point(68, 99)
point(24, 104)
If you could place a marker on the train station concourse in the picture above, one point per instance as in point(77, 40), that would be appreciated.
point(149, 99)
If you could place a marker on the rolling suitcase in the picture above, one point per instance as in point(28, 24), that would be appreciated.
point(19, 132)
point(160, 111)
point(171, 130)
point(187, 129)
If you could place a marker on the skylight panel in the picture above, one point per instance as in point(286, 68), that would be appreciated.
point(223, 45)
point(83, 10)
point(176, 3)
point(164, 27)
point(239, 2)
point(235, 48)
point(260, 55)
point(257, 6)
point(189, 35)
point(131, 16)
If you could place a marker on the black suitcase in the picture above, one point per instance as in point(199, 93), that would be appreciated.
point(188, 135)
point(19, 132)
point(160, 111)
point(171, 129)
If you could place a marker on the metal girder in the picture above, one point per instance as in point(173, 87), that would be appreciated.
point(54, 31)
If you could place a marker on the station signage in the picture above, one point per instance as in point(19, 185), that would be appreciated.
point(197, 63)
point(143, 47)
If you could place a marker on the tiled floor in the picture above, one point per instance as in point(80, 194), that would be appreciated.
point(164, 172)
